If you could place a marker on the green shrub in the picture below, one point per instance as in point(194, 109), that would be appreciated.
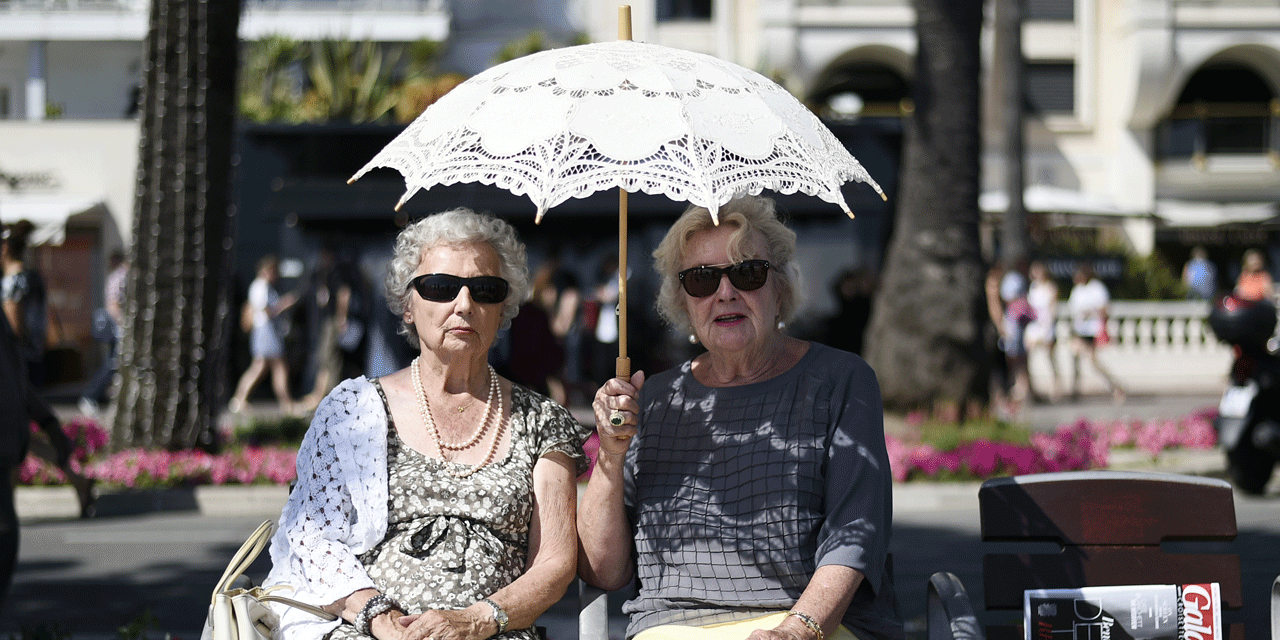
point(1149, 278)
point(946, 435)
point(284, 430)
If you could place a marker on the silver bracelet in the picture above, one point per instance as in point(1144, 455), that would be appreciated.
point(375, 607)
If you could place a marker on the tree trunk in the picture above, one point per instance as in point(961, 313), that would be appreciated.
point(926, 338)
point(1015, 241)
point(174, 352)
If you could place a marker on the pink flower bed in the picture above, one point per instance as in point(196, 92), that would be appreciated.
point(1077, 446)
point(87, 437)
point(1080, 445)
point(144, 468)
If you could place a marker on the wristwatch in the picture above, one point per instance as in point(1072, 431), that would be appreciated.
point(499, 615)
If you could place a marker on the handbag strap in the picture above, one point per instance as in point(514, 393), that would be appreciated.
point(245, 556)
point(311, 609)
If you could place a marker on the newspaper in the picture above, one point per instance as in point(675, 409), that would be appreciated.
point(1139, 612)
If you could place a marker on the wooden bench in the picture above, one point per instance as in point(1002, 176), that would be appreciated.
point(1094, 528)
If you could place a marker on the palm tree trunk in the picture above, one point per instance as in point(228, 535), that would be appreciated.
point(926, 334)
point(173, 355)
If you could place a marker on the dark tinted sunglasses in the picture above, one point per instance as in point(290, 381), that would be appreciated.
point(442, 287)
point(747, 275)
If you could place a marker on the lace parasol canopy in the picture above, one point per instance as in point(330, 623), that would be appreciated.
point(569, 122)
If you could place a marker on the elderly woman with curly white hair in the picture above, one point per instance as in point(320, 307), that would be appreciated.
point(436, 502)
point(747, 490)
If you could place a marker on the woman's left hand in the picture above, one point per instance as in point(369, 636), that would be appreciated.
point(437, 624)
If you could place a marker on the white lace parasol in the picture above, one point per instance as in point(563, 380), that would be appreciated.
point(569, 122)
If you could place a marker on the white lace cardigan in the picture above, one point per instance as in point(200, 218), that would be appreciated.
point(338, 508)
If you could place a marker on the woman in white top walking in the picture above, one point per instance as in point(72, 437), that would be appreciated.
point(265, 340)
point(1088, 305)
point(1041, 333)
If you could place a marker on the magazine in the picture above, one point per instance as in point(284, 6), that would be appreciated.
point(1138, 612)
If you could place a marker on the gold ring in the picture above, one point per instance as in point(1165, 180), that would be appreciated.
point(616, 418)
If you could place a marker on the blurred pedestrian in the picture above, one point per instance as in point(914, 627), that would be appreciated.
point(266, 342)
point(108, 325)
point(1254, 283)
point(1017, 315)
point(25, 300)
point(1088, 304)
point(604, 346)
point(1200, 275)
point(853, 290)
point(328, 305)
point(1042, 333)
point(20, 405)
point(534, 353)
point(14, 436)
point(566, 324)
point(999, 380)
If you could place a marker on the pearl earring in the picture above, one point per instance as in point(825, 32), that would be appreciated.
point(781, 325)
point(693, 339)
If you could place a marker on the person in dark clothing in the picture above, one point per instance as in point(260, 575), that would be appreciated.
point(24, 298)
point(19, 406)
point(853, 291)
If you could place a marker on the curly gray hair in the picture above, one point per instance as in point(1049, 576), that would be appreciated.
point(747, 214)
point(456, 227)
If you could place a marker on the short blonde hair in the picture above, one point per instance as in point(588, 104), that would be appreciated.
point(749, 215)
point(456, 227)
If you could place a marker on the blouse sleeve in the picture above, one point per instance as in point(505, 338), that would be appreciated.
point(333, 511)
point(560, 431)
point(859, 498)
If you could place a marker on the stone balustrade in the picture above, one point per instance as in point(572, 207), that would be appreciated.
point(1155, 347)
point(1141, 325)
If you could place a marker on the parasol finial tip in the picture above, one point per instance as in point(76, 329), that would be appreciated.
point(398, 205)
point(883, 197)
point(848, 212)
point(352, 179)
point(537, 218)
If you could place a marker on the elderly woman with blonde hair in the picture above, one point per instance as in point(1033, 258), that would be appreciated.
point(747, 490)
point(436, 502)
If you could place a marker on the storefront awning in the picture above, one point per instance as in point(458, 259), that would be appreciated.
point(1046, 199)
point(48, 211)
point(1181, 213)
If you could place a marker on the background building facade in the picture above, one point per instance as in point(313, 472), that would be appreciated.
point(1152, 124)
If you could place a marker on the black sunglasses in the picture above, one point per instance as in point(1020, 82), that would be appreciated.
point(442, 287)
point(747, 275)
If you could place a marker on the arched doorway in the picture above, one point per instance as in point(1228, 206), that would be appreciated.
point(1225, 108)
point(859, 89)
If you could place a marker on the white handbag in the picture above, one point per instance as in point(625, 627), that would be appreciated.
point(242, 613)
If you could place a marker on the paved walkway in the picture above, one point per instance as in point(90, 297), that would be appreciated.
point(935, 526)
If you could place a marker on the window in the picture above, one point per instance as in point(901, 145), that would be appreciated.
point(684, 10)
point(1058, 10)
point(1051, 88)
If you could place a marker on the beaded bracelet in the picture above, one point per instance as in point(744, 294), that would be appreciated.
point(375, 607)
point(808, 622)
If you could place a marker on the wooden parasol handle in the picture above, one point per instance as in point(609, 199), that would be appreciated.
point(622, 367)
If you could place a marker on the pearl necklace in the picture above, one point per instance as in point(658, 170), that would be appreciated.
point(425, 409)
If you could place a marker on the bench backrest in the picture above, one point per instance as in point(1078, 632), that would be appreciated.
point(1110, 526)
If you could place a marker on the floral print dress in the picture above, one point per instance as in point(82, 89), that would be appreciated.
point(451, 541)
